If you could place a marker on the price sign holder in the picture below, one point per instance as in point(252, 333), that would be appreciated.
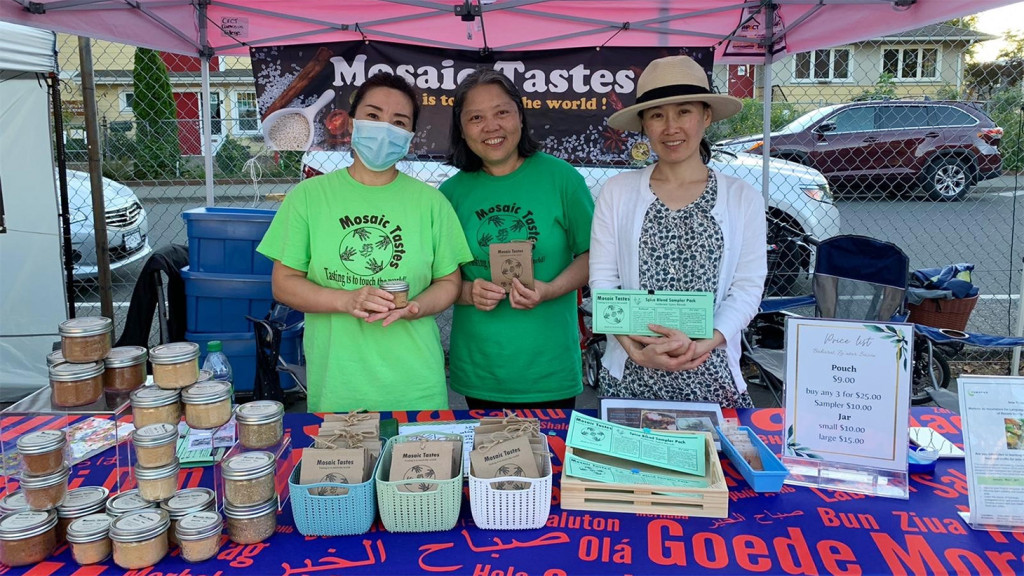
point(847, 405)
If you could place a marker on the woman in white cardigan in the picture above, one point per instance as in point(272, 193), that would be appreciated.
point(677, 225)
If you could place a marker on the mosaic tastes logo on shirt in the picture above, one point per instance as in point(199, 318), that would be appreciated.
point(369, 244)
point(505, 223)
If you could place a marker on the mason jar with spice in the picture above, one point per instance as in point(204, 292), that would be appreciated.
point(152, 405)
point(125, 368)
point(185, 502)
point(260, 423)
point(400, 290)
point(248, 478)
point(13, 502)
point(75, 385)
point(42, 452)
point(175, 365)
point(251, 524)
point(198, 534)
point(27, 537)
point(128, 501)
point(47, 491)
point(155, 444)
point(79, 502)
point(89, 537)
point(207, 405)
point(139, 538)
point(157, 484)
point(85, 339)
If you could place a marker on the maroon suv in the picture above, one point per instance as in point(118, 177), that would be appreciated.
point(945, 147)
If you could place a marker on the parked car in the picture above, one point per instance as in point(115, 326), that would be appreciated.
point(944, 147)
point(127, 226)
point(799, 202)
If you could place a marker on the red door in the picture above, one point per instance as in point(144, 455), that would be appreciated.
point(189, 137)
point(741, 80)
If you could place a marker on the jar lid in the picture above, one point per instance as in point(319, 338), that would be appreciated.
point(157, 472)
point(88, 528)
point(153, 397)
point(189, 500)
point(155, 435)
point(30, 482)
point(395, 286)
point(207, 392)
point(13, 502)
point(82, 501)
point(21, 525)
point(204, 375)
point(248, 465)
point(259, 412)
point(128, 501)
point(70, 372)
point(254, 511)
point(199, 525)
point(55, 357)
point(125, 356)
point(174, 353)
point(87, 326)
point(42, 442)
point(139, 525)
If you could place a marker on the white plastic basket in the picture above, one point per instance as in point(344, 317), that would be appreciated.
point(512, 509)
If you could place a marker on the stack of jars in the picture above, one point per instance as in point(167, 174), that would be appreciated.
point(28, 529)
point(250, 496)
point(87, 366)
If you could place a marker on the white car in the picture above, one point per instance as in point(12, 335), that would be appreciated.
point(127, 226)
point(799, 201)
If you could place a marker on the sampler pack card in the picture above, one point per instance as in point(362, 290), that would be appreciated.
point(630, 311)
point(511, 260)
point(680, 452)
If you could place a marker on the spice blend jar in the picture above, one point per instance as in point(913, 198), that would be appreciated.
point(90, 539)
point(139, 538)
point(80, 502)
point(175, 365)
point(207, 405)
point(185, 502)
point(127, 501)
point(251, 524)
point(399, 289)
point(157, 484)
point(76, 384)
point(152, 405)
point(125, 368)
point(155, 444)
point(55, 357)
point(42, 452)
point(248, 478)
point(47, 491)
point(27, 537)
point(85, 339)
point(260, 423)
point(198, 534)
point(13, 502)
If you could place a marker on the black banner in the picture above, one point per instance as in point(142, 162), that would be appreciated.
point(568, 94)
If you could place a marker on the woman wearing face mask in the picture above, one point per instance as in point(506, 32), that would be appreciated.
point(521, 348)
point(676, 225)
point(337, 237)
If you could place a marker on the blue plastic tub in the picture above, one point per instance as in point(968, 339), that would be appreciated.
point(240, 348)
point(768, 480)
point(224, 240)
point(220, 302)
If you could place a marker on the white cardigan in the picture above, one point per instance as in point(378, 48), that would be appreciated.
point(615, 260)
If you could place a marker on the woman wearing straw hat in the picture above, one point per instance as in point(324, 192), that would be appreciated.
point(677, 225)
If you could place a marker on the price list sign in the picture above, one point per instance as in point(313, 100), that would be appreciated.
point(847, 393)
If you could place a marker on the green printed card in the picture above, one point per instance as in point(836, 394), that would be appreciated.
point(630, 311)
point(614, 471)
point(681, 452)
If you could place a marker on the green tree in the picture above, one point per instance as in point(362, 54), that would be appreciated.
point(1013, 46)
point(885, 87)
point(156, 117)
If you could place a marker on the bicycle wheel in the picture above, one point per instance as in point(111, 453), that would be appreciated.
point(924, 370)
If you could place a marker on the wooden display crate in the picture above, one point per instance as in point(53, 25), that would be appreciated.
point(710, 502)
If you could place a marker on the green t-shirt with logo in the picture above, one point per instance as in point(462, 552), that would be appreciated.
point(509, 355)
point(346, 235)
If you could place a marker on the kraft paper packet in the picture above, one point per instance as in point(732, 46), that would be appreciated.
point(331, 440)
point(509, 457)
point(426, 460)
point(511, 260)
point(339, 466)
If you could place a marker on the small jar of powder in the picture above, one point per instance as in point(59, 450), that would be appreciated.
point(185, 502)
point(139, 538)
point(175, 365)
point(251, 524)
point(81, 501)
point(47, 491)
point(27, 537)
point(152, 405)
point(260, 423)
point(157, 484)
point(248, 478)
point(399, 289)
point(155, 444)
point(198, 534)
point(42, 452)
point(128, 501)
point(125, 368)
point(208, 404)
point(89, 537)
point(76, 384)
point(85, 339)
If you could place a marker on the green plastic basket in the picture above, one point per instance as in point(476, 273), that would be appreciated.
point(335, 515)
point(433, 511)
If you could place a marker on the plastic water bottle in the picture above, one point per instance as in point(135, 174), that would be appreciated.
point(217, 363)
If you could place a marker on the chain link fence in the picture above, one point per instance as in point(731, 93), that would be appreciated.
point(900, 138)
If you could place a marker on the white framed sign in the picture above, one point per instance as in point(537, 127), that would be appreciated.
point(847, 404)
point(992, 417)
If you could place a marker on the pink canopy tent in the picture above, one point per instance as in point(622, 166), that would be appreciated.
point(741, 30)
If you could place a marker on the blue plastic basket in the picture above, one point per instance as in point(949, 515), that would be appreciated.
point(338, 515)
point(224, 240)
point(768, 480)
point(220, 302)
point(240, 348)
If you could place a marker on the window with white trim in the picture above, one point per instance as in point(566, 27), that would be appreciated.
point(831, 64)
point(911, 63)
point(126, 100)
point(245, 112)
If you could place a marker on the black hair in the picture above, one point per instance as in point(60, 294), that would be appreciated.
point(387, 80)
point(705, 144)
point(459, 153)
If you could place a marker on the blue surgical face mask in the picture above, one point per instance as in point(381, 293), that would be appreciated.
point(379, 144)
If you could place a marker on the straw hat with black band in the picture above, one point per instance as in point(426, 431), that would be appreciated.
point(672, 80)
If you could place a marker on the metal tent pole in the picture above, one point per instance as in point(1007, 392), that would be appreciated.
point(1015, 361)
point(769, 37)
point(206, 112)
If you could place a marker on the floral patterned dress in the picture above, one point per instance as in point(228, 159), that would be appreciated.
point(681, 250)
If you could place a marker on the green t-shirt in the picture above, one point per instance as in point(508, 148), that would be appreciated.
point(346, 235)
point(509, 355)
